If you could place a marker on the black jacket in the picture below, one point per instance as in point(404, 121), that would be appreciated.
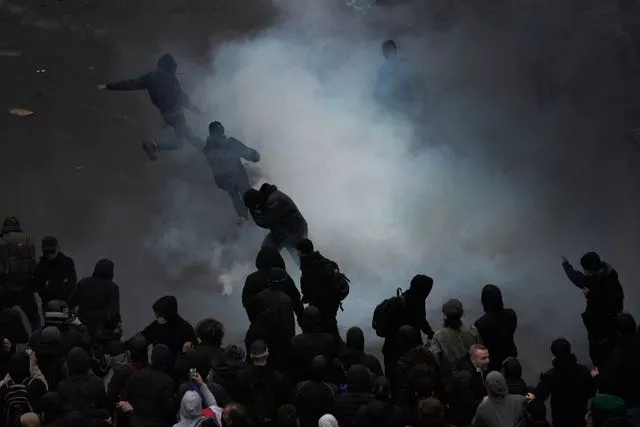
point(150, 391)
point(55, 279)
point(512, 372)
point(317, 283)
point(353, 353)
point(314, 397)
point(570, 387)
point(262, 389)
point(497, 327)
point(414, 314)
point(621, 374)
point(223, 155)
point(175, 332)
point(310, 343)
point(279, 214)
point(358, 393)
point(408, 381)
point(229, 367)
point(467, 391)
point(380, 413)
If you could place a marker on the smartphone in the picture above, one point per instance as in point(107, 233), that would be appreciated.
point(28, 351)
point(193, 372)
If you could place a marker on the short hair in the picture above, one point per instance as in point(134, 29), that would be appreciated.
point(561, 347)
point(431, 411)
point(49, 242)
point(591, 261)
point(305, 246)
point(477, 347)
point(210, 331)
point(216, 128)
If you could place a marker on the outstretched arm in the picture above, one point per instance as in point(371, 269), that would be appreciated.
point(138, 83)
point(576, 277)
point(245, 152)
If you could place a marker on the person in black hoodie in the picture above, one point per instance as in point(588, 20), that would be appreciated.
point(357, 394)
point(353, 353)
point(381, 411)
point(497, 327)
point(169, 328)
point(512, 372)
point(223, 155)
point(51, 413)
point(315, 397)
point(55, 276)
point(97, 296)
point(82, 391)
point(137, 348)
point(310, 343)
point(21, 381)
point(231, 364)
point(569, 384)
point(605, 299)
point(51, 352)
point(273, 210)
point(167, 95)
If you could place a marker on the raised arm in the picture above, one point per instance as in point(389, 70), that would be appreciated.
point(138, 83)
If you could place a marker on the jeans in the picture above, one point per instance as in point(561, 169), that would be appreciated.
point(181, 132)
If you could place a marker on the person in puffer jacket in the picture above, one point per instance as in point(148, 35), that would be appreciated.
point(381, 411)
point(358, 393)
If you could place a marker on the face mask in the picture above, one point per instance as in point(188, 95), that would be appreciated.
point(161, 320)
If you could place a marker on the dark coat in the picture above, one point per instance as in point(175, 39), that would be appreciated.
point(55, 279)
point(621, 374)
point(256, 382)
point(310, 343)
point(467, 392)
point(314, 397)
point(353, 353)
point(223, 155)
point(381, 414)
point(417, 359)
point(358, 393)
point(150, 391)
point(317, 283)
point(82, 391)
point(175, 332)
point(280, 215)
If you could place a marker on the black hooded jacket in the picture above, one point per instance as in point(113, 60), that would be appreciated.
point(380, 413)
point(227, 370)
point(497, 327)
point(256, 383)
point(621, 375)
point(467, 391)
point(310, 343)
point(175, 332)
point(97, 296)
point(223, 155)
point(512, 372)
point(358, 393)
point(315, 397)
point(162, 85)
point(279, 214)
point(55, 279)
point(317, 282)
point(353, 353)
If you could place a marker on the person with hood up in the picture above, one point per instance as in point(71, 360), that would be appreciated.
point(353, 353)
point(191, 412)
point(315, 397)
point(167, 95)
point(82, 391)
point(97, 296)
point(273, 210)
point(569, 384)
point(497, 327)
point(512, 372)
point(601, 287)
point(224, 154)
point(328, 420)
point(310, 343)
point(453, 341)
point(51, 413)
point(150, 390)
point(358, 393)
point(468, 386)
point(381, 411)
point(500, 409)
point(231, 364)
point(169, 328)
point(55, 276)
point(51, 352)
point(431, 413)
point(138, 357)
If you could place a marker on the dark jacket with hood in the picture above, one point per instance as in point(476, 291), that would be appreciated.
point(162, 85)
point(621, 375)
point(279, 214)
point(51, 353)
point(497, 327)
point(570, 387)
point(82, 391)
point(353, 353)
point(467, 391)
point(262, 390)
point(97, 296)
point(315, 397)
point(358, 393)
point(380, 412)
point(317, 283)
point(311, 343)
point(512, 371)
point(55, 279)
point(137, 347)
point(175, 332)
point(223, 155)
point(231, 364)
point(501, 409)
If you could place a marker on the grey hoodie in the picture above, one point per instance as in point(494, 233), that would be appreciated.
point(191, 406)
point(500, 409)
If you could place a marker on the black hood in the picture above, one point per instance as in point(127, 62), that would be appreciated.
point(318, 368)
point(320, 265)
point(167, 64)
point(269, 258)
point(278, 279)
point(78, 362)
point(268, 189)
point(408, 338)
point(166, 307)
point(565, 362)
point(511, 368)
point(355, 339)
point(311, 320)
point(491, 299)
point(104, 269)
point(358, 379)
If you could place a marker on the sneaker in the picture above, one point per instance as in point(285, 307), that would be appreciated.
point(151, 149)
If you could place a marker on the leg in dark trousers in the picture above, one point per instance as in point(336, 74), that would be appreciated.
point(235, 186)
point(180, 132)
point(29, 305)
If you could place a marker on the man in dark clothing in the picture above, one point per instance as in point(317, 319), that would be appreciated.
point(97, 296)
point(223, 155)
point(497, 327)
point(51, 355)
point(353, 353)
point(358, 393)
point(22, 381)
point(605, 299)
point(273, 210)
point(468, 387)
point(137, 347)
point(310, 343)
point(55, 275)
point(318, 282)
point(413, 314)
point(512, 372)
point(72, 332)
point(82, 391)
point(167, 95)
point(210, 333)
point(314, 397)
point(169, 328)
point(381, 411)
point(231, 364)
point(51, 410)
point(569, 384)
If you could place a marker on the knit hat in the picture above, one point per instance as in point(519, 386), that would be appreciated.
point(452, 308)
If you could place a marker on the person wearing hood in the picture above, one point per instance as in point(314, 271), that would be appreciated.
point(226, 372)
point(273, 210)
point(310, 343)
point(358, 393)
point(150, 390)
point(500, 409)
point(55, 275)
point(72, 332)
point(167, 95)
point(169, 328)
point(82, 391)
point(315, 397)
point(353, 353)
point(136, 347)
point(569, 384)
point(50, 351)
point(97, 296)
point(601, 287)
point(224, 154)
point(191, 412)
point(497, 327)
point(468, 385)
point(608, 411)
point(512, 372)
point(328, 420)
point(381, 411)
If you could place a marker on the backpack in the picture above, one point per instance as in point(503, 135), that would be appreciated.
point(16, 403)
point(98, 361)
point(17, 260)
point(342, 286)
point(262, 405)
point(385, 316)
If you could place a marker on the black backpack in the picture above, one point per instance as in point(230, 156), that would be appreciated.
point(387, 314)
point(16, 403)
point(343, 287)
point(262, 404)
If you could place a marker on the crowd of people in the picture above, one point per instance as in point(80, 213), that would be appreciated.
point(77, 369)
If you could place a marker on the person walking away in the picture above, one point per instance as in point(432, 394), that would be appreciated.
point(55, 275)
point(315, 397)
point(500, 409)
point(167, 95)
point(353, 353)
point(310, 343)
point(358, 393)
point(381, 411)
point(224, 154)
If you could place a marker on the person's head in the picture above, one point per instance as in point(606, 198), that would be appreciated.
point(259, 353)
point(561, 348)
point(358, 379)
point(318, 369)
point(50, 248)
point(167, 64)
point(104, 269)
point(328, 420)
point(311, 320)
point(234, 352)
point(50, 407)
point(216, 129)
point(382, 389)
point(30, 419)
point(626, 324)
point(305, 247)
point(605, 407)
point(210, 332)
point(453, 312)
point(190, 406)
point(511, 368)
point(288, 416)
point(491, 299)
point(78, 362)
point(408, 338)
point(479, 355)
point(591, 263)
point(355, 339)
point(253, 199)
point(235, 415)
point(137, 346)
point(421, 285)
point(389, 49)
point(431, 413)
point(496, 385)
point(19, 367)
point(161, 357)
point(165, 309)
